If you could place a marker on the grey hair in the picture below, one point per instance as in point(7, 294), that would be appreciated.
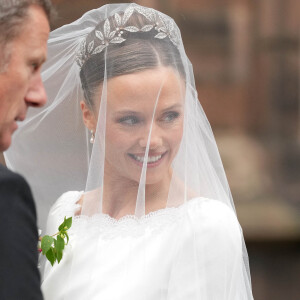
point(13, 13)
point(140, 51)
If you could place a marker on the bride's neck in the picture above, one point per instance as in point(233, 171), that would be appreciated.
point(120, 194)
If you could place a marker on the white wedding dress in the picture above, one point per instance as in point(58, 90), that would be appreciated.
point(148, 258)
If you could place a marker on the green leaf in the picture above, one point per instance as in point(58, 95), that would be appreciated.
point(60, 244)
point(67, 236)
point(53, 248)
point(51, 256)
point(62, 225)
point(59, 255)
point(68, 223)
point(46, 243)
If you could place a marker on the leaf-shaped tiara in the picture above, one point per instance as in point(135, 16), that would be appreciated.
point(164, 26)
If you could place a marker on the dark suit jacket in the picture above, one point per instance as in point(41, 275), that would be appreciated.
point(19, 276)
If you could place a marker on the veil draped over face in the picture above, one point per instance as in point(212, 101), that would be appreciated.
point(123, 126)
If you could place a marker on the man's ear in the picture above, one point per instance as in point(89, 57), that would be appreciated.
point(88, 117)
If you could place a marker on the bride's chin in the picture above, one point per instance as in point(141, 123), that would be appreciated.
point(150, 180)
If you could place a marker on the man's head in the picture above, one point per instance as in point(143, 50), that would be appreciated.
point(24, 30)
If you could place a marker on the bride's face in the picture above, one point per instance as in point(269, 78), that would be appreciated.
point(151, 100)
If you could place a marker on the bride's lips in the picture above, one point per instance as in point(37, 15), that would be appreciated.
point(153, 160)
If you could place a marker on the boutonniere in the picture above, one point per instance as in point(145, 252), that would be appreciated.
point(52, 246)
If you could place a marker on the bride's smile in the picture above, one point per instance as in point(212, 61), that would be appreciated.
point(152, 160)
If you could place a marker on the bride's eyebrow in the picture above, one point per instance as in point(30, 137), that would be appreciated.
point(134, 112)
point(126, 112)
point(177, 105)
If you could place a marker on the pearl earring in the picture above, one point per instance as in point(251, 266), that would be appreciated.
point(92, 139)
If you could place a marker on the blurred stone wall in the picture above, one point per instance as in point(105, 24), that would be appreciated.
point(245, 57)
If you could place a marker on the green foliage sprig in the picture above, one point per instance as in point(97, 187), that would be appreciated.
point(53, 247)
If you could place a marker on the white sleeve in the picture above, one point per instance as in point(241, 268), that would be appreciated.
point(64, 206)
point(208, 264)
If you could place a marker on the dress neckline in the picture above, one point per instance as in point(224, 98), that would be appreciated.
point(109, 227)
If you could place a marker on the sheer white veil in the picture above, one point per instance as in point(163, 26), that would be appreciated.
point(52, 147)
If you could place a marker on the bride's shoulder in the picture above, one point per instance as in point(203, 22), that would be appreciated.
point(210, 207)
point(65, 206)
point(68, 197)
point(213, 216)
point(67, 202)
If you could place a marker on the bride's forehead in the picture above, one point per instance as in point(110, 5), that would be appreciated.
point(149, 82)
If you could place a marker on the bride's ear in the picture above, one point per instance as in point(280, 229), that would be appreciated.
point(88, 116)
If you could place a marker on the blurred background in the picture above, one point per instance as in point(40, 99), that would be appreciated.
point(246, 59)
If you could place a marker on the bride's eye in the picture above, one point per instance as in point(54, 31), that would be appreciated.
point(170, 116)
point(129, 120)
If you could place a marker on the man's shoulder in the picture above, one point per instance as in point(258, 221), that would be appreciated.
point(14, 187)
point(15, 195)
point(8, 177)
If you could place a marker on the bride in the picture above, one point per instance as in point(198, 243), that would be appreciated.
point(125, 135)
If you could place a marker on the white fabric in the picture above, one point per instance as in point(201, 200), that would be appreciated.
point(164, 262)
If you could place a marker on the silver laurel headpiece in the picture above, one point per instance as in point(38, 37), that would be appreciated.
point(164, 25)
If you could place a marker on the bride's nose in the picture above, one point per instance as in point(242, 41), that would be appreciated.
point(155, 139)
